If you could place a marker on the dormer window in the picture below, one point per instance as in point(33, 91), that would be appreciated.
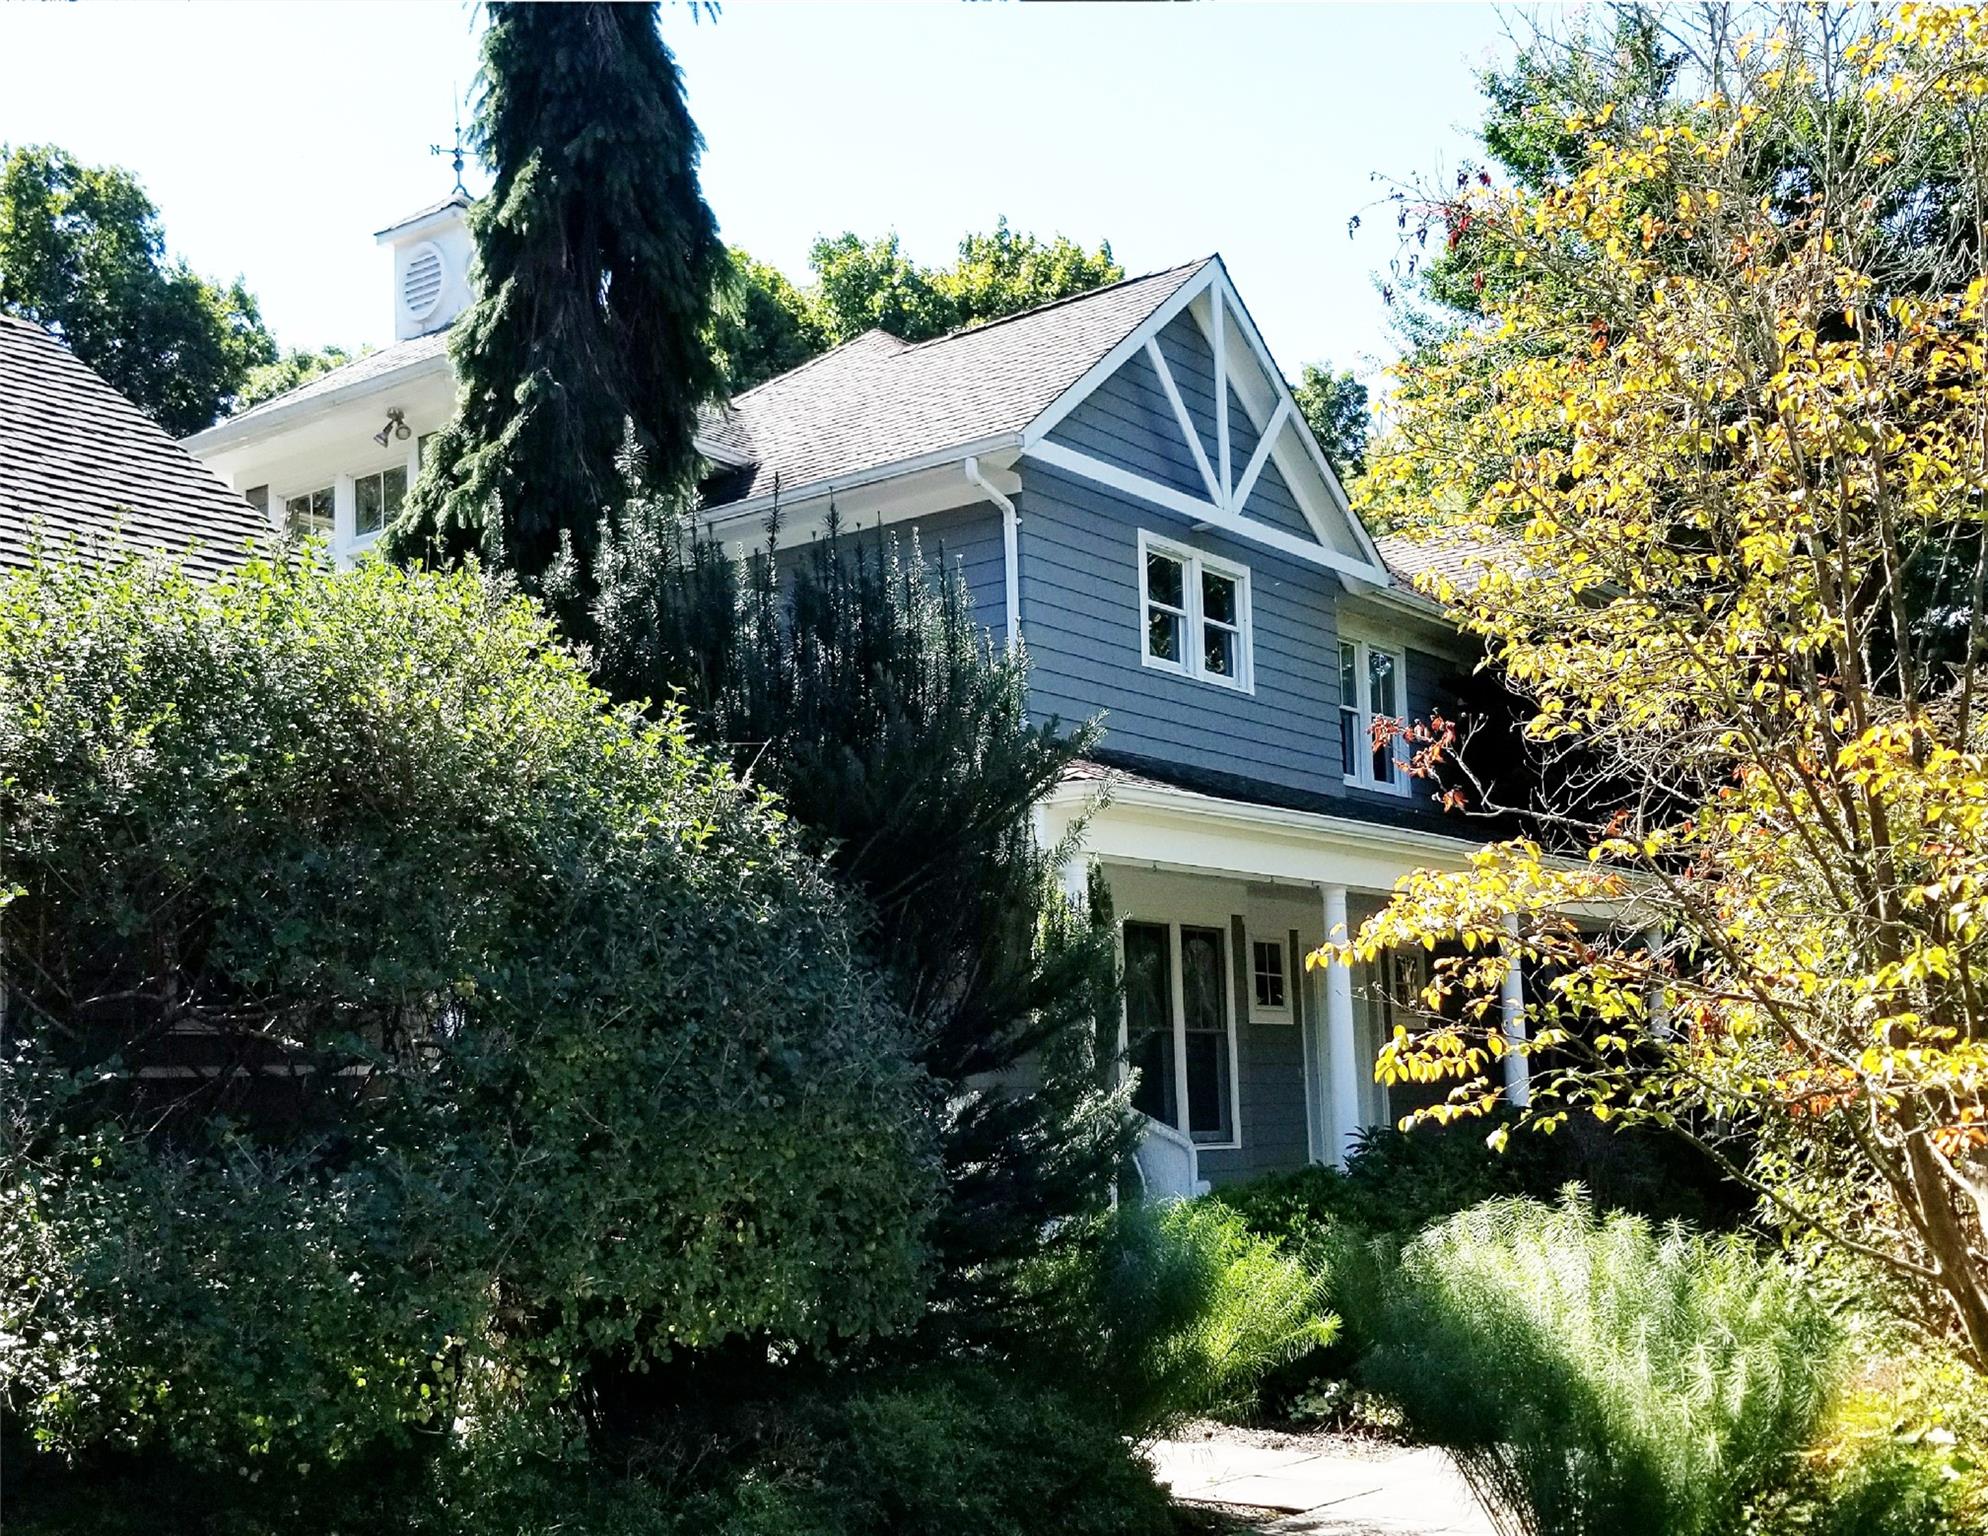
point(1194, 614)
point(1372, 686)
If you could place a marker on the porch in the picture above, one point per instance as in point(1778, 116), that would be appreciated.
point(1248, 1062)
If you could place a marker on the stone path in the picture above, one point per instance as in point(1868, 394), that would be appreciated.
point(1320, 1485)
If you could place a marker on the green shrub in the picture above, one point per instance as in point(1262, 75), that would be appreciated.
point(1175, 1309)
point(398, 1032)
point(1591, 1375)
point(943, 1452)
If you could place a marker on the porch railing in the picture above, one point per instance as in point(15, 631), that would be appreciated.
point(1169, 1166)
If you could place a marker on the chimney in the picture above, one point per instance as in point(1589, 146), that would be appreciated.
point(432, 250)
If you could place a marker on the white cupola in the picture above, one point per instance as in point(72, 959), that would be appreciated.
point(431, 261)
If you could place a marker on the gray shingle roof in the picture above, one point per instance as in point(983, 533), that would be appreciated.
point(877, 400)
point(78, 460)
point(1437, 552)
point(402, 354)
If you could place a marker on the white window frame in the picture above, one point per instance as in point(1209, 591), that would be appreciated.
point(1362, 776)
point(280, 506)
point(1178, 1000)
point(1191, 664)
point(363, 539)
point(1265, 1013)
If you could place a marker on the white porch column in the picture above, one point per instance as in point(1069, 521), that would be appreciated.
point(1659, 995)
point(1342, 1083)
point(1512, 1009)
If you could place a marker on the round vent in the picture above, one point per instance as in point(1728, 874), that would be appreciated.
point(421, 283)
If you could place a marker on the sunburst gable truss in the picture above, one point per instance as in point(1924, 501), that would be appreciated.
point(1242, 366)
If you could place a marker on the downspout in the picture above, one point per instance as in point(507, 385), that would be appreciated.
point(1010, 547)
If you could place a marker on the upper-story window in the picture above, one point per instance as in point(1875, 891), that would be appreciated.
point(309, 514)
point(1194, 614)
point(1372, 685)
point(377, 498)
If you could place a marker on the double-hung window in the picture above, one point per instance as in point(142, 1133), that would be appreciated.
point(1194, 614)
point(1372, 685)
point(1179, 1028)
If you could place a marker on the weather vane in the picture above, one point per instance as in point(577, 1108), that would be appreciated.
point(453, 150)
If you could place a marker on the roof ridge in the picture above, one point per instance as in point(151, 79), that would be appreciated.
point(1068, 298)
point(819, 357)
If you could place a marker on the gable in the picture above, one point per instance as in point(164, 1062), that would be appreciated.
point(1190, 414)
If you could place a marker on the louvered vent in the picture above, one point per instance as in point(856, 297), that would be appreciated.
point(421, 284)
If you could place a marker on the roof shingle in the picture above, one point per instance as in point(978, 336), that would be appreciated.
point(79, 461)
point(877, 400)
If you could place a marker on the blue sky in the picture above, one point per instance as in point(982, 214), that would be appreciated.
point(276, 138)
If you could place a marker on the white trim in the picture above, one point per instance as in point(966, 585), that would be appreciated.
point(1227, 497)
point(1264, 443)
point(1362, 776)
point(1193, 508)
point(1267, 1013)
point(1052, 414)
point(1194, 621)
point(795, 499)
point(1187, 428)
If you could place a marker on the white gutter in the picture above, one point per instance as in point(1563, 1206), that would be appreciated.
point(793, 498)
point(1010, 547)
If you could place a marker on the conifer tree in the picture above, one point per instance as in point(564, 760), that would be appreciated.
point(596, 258)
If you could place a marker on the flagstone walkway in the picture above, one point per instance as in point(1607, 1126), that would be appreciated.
point(1319, 1485)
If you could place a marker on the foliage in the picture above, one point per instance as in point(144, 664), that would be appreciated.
point(1589, 1374)
point(768, 325)
point(82, 255)
point(292, 370)
point(860, 686)
point(597, 260)
point(1175, 1309)
point(398, 1036)
point(946, 1451)
point(1713, 440)
point(1335, 408)
point(762, 324)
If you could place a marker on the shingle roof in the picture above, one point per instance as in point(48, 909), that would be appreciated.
point(78, 460)
point(877, 400)
point(402, 354)
point(1456, 556)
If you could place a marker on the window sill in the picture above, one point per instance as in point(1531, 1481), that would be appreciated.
point(1397, 791)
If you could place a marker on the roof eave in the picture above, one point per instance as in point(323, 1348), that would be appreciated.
point(797, 497)
point(236, 430)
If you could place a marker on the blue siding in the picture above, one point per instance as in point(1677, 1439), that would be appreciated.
point(1270, 1073)
point(967, 538)
point(1080, 617)
point(1192, 363)
point(1129, 422)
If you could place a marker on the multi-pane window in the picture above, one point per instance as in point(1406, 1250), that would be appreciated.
point(1177, 1027)
point(308, 514)
point(377, 498)
point(1269, 982)
point(1371, 688)
point(1194, 614)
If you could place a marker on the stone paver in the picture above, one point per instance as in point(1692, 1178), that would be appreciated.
point(1309, 1487)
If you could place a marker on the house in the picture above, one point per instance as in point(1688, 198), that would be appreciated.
point(79, 463)
point(1130, 492)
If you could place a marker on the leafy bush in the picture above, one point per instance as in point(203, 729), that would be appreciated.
point(1591, 1375)
point(1173, 1309)
point(1395, 1183)
point(397, 1033)
point(946, 1452)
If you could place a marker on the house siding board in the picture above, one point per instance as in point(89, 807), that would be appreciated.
point(1191, 361)
point(1128, 422)
point(1271, 502)
point(1080, 617)
point(967, 538)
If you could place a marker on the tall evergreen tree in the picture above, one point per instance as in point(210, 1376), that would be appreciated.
point(597, 260)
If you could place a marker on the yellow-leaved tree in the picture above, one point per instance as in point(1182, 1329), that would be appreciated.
point(1718, 444)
